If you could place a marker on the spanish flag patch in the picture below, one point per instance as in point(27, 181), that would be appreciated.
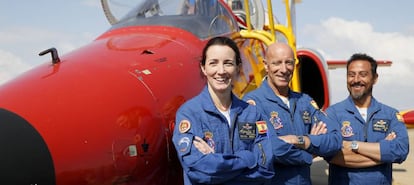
point(261, 127)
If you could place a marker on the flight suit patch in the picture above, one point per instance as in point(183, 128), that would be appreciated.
point(399, 117)
point(346, 129)
point(184, 144)
point(251, 102)
point(184, 126)
point(275, 120)
point(261, 127)
point(208, 138)
point(314, 104)
point(380, 125)
point(306, 117)
point(247, 131)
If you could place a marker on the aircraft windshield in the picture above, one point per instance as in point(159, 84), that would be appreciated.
point(204, 18)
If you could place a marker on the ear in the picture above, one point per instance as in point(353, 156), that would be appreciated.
point(375, 78)
point(238, 68)
point(265, 65)
point(203, 70)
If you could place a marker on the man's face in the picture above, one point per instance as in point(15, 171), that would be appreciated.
point(279, 66)
point(360, 79)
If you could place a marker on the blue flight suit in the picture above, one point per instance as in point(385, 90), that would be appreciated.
point(381, 120)
point(292, 164)
point(242, 151)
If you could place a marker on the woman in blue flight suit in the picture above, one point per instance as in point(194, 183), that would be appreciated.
point(219, 138)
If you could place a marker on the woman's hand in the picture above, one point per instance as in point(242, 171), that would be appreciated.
point(202, 146)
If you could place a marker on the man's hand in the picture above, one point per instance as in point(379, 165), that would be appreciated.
point(293, 139)
point(319, 128)
point(202, 146)
point(391, 136)
point(346, 145)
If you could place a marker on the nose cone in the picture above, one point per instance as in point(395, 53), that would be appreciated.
point(24, 156)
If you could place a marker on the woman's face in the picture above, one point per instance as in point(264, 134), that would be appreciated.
point(220, 68)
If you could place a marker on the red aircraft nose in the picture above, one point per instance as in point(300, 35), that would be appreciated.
point(25, 158)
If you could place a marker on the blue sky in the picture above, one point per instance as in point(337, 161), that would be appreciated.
point(383, 29)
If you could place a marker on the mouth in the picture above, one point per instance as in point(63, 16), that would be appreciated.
point(282, 78)
point(221, 80)
point(357, 87)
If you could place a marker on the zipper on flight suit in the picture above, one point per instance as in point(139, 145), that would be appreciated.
point(231, 134)
point(263, 153)
point(292, 110)
point(367, 123)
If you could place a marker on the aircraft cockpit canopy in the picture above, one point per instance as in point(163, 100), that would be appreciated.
point(203, 18)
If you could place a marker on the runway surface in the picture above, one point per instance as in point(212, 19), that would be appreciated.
point(403, 173)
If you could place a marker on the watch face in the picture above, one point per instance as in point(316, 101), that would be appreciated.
point(354, 145)
point(301, 141)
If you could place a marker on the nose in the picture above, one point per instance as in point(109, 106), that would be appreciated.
point(221, 69)
point(356, 78)
point(283, 67)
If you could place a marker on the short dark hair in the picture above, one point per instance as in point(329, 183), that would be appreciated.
point(363, 56)
point(224, 41)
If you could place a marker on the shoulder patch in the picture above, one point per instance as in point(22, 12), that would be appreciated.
point(314, 104)
point(399, 117)
point(251, 102)
point(184, 144)
point(184, 126)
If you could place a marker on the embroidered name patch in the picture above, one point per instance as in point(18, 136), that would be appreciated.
point(247, 131)
point(380, 125)
point(306, 117)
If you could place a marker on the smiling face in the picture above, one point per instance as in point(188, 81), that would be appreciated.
point(279, 65)
point(360, 79)
point(220, 68)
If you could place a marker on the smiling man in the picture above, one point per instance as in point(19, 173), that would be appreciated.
point(299, 129)
point(374, 135)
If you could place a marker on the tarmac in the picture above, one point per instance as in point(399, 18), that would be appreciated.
point(403, 174)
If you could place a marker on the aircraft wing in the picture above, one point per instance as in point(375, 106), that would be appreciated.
point(334, 64)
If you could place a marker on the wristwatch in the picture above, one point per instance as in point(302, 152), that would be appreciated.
point(354, 146)
point(301, 140)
